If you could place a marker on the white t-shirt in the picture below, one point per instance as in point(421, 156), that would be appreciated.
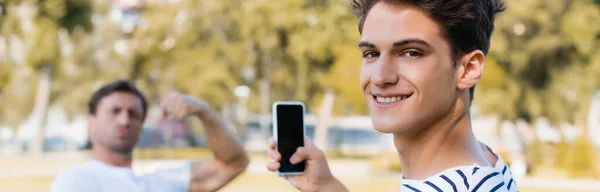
point(95, 176)
point(466, 178)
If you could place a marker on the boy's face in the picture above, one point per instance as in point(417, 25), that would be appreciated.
point(407, 74)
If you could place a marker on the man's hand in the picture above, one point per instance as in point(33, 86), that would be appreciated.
point(230, 158)
point(316, 177)
point(179, 105)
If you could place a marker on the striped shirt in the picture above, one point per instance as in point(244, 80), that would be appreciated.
point(466, 178)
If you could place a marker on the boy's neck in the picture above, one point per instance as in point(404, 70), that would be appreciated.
point(448, 143)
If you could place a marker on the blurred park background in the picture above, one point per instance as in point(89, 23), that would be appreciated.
point(538, 103)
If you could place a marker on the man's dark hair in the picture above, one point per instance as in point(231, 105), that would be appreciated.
point(467, 25)
point(116, 86)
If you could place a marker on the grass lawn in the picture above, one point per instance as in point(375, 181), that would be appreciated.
point(246, 183)
point(32, 184)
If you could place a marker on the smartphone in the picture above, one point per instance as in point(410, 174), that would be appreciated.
point(289, 130)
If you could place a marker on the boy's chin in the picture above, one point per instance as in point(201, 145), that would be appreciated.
point(388, 127)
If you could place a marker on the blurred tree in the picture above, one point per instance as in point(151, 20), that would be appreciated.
point(561, 153)
point(285, 47)
point(581, 158)
point(17, 85)
point(34, 27)
point(344, 78)
point(292, 59)
point(344, 75)
point(53, 55)
point(17, 94)
point(5, 76)
point(178, 46)
point(535, 152)
point(537, 67)
point(199, 47)
point(544, 58)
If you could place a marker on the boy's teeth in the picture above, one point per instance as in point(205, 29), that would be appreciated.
point(390, 99)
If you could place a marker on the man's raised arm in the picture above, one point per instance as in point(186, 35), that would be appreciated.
point(230, 157)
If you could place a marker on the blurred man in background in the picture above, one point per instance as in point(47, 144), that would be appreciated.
point(116, 114)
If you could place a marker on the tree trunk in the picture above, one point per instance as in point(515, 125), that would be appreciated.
point(40, 111)
point(264, 107)
point(593, 118)
point(7, 49)
point(582, 114)
point(325, 111)
point(301, 81)
point(241, 117)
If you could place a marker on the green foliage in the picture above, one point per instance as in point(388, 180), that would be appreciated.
point(561, 154)
point(5, 75)
point(43, 44)
point(303, 48)
point(581, 159)
point(535, 152)
point(19, 88)
point(552, 69)
point(286, 49)
point(345, 80)
point(78, 15)
point(538, 68)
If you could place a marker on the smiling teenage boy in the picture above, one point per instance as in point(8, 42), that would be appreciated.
point(421, 61)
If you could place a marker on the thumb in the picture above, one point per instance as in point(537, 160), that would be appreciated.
point(308, 142)
point(308, 152)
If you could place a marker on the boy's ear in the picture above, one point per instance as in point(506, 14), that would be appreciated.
point(469, 70)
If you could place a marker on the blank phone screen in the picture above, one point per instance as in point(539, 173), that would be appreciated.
point(290, 135)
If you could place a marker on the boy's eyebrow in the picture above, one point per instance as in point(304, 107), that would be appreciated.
point(365, 44)
point(411, 40)
point(397, 43)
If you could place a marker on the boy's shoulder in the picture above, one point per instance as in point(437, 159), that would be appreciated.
point(466, 178)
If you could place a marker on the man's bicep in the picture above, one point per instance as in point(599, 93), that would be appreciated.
point(210, 175)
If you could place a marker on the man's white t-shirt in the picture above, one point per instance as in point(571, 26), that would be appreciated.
point(95, 176)
point(466, 179)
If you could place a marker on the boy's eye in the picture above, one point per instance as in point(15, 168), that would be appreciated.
point(370, 54)
point(412, 54)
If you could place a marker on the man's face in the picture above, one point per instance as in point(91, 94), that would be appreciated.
point(407, 74)
point(117, 122)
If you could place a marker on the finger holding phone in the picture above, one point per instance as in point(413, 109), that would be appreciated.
point(294, 156)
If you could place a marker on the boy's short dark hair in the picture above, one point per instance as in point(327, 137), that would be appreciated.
point(467, 25)
point(116, 86)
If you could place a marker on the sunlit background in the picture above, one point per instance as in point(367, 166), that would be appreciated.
point(538, 103)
